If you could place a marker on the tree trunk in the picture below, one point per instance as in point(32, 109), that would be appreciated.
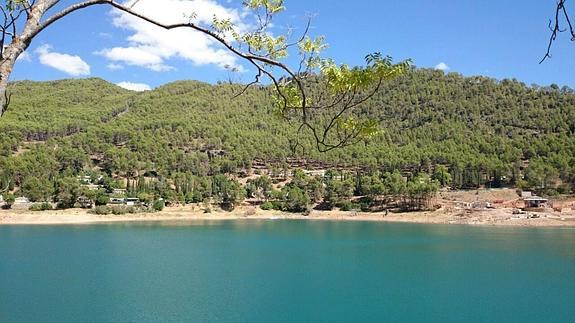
point(17, 46)
point(6, 66)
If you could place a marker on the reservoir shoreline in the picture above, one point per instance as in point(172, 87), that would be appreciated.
point(495, 217)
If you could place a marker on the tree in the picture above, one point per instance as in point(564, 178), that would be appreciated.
point(329, 116)
point(337, 191)
point(228, 192)
point(487, 139)
point(540, 174)
point(9, 200)
point(420, 190)
point(442, 175)
point(37, 189)
point(296, 199)
point(67, 192)
point(372, 186)
point(260, 187)
point(90, 195)
point(394, 183)
point(158, 205)
point(299, 179)
point(315, 189)
point(102, 198)
point(145, 198)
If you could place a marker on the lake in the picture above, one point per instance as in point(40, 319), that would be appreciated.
point(286, 271)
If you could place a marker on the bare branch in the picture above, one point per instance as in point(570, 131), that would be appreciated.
point(6, 103)
point(291, 89)
point(6, 188)
point(555, 27)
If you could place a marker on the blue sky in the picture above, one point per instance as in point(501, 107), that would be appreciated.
point(500, 39)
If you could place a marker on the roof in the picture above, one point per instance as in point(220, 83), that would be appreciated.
point(525, 194)
point(535, 198)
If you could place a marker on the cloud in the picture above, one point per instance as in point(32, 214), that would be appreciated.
point(442, 66)
point(151, 47)
point(71, 65)
point(114, 67)
point(138, 87)
point(139, 56)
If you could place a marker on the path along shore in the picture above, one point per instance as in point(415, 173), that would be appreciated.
point(493, 217)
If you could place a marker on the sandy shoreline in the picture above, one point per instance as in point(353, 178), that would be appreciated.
point(498, 217)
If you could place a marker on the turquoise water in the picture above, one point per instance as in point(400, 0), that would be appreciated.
point(286, 271)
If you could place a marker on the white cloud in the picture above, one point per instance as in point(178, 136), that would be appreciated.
point(72, 65)
point(24, 57)
point(151, 47)
point(114, 67)
point(442, 66)
point(139, 87)
point(138, 56)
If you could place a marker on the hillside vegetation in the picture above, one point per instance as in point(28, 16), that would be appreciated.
point(464, 132)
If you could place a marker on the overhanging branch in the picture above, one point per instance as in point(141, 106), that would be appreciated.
point(555, 27)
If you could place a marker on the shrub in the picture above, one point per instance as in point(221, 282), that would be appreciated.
point(40, 206)
point(278, 205)
point(159, 205)
point(9, 199)
point(267, 206)
point(346, 206)
point(100, 210)
point(364, 207)
point(564, 189)
point(102, 199)
point(119, 210)
point(296, 199)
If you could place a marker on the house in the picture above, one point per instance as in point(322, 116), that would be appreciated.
point(464, 205)
point(213, 153)
point(21, 203)
point(119, 191)
point(116, 200)
point(85, 179)
point(131, 201)
point(481, 205)
point(92, 187)
point(319, 172)
point(526, 194)
point(535, 202)
point(21, 200)
point(85, 202)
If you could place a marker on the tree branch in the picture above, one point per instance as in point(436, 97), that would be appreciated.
point(555, 27)
point(252, 58)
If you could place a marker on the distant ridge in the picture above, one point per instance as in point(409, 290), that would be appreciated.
point(480, 128)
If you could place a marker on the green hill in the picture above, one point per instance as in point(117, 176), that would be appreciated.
point(486, 132)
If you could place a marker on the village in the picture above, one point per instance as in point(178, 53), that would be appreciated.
point(498, 206)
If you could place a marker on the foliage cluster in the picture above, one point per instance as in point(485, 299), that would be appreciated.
point(190, 142)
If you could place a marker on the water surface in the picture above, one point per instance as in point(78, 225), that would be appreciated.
point(286, 271)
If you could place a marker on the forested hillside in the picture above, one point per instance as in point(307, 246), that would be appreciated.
point(485, 132)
